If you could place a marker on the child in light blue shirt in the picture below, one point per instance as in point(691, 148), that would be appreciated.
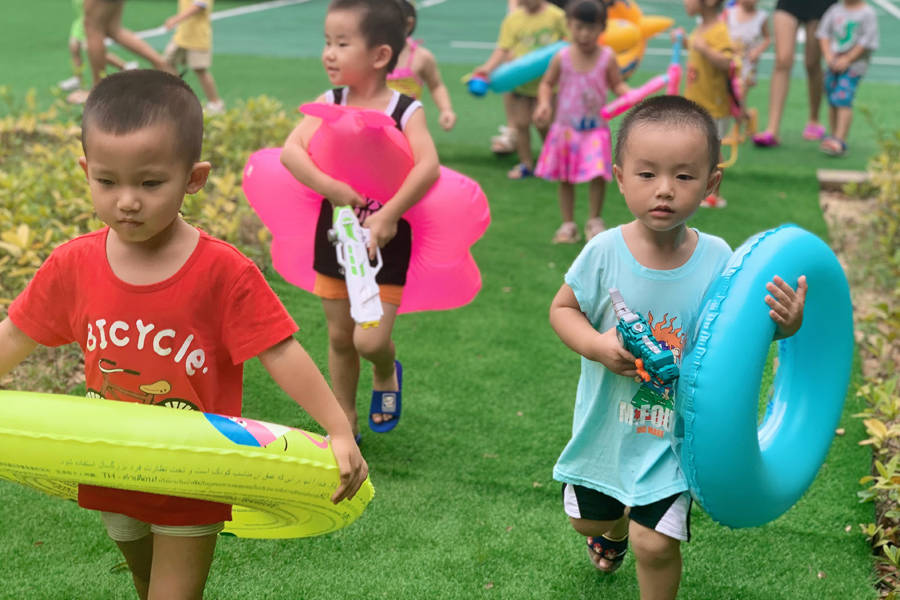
point(620, 452)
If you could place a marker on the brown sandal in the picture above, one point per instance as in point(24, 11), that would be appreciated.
point(566, 234)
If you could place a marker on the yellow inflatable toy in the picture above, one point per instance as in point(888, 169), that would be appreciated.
point(279, 479)
point(627, 32)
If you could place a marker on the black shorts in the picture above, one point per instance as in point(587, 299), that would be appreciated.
point(670, 516)
point(395, 254)
point(805, 10)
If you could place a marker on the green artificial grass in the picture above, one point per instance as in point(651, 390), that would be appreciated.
point(465, 506)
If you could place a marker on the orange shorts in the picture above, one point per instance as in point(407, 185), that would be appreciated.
point(332, 288)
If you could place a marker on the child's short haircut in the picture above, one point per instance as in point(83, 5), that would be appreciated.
point(131, 100)
point(409, 10)
point(676, 111)
point(587, 11)
point(381, 22)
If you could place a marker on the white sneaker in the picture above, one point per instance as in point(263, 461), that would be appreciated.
point(215, 108)
point(67, 85)
point(131, 65)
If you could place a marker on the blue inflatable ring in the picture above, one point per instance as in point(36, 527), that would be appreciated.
point(741, 473)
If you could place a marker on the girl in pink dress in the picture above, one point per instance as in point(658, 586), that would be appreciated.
point(578, 146)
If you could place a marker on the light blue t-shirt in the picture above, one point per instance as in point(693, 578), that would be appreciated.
point(621, 432)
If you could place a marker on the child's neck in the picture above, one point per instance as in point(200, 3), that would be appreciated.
point(659, 250)
point(708, 16)
point(372, 93)
point(155, 260)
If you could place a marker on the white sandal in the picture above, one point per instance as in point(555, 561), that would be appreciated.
point(505, 142)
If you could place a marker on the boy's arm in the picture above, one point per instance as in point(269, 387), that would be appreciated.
point(786, 305)
point(614, 79)
point(14, 346)
point(498, 56)
point(195, 9)
point(294, 371)
point(431, 75)
point(426, 170)
point(295, 157)
point(576, 332)
point(719, 59)
point(843, 61)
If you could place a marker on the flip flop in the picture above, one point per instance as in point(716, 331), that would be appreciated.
point(833, 146)
point(612, 550)
point(764, 139)
point(813, 132)
point(387, 403)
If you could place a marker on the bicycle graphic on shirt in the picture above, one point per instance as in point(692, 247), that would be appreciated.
point(149, 393)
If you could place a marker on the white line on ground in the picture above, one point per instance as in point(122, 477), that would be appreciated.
point(428, 3)
point(232, 12)
point(888, 7)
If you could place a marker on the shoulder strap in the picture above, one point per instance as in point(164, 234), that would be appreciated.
point(404, 107)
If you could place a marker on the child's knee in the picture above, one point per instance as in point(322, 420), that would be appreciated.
point(370, 343)
point(651, 547)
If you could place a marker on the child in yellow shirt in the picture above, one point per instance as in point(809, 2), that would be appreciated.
point(192, 46)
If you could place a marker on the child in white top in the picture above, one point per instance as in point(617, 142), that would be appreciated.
point(748, 27)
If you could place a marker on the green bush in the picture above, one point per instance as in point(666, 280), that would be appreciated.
point(44, 197)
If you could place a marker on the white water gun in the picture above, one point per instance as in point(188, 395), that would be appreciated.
point(351, 242)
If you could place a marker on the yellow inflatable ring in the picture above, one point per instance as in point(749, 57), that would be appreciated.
point(279, 479)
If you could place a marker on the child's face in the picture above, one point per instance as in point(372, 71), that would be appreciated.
point(665, 174)
point(748, 5)
point(346, 56)
point(531, 5)
point(584, 35)
point(138, 180)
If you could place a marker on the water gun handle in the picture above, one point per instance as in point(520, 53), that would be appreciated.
point(351, 242)
point(626, 101)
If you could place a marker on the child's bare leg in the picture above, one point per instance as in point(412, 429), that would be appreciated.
point(115, 60)
point(614, 530)
point(567, 201)
point(139, 556)
point(77, 60)
point(208, 84)
point(658, 560)
point(843, 119)
point(376, 346)
point(596, 196)
point(815, 77)
point(520, 109)
point(99, 17)
point(343, 360)
point(180, 566)
point(832, 119)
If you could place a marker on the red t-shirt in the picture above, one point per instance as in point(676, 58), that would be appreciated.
point(180, 342)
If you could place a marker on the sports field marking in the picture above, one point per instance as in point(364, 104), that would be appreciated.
point(237, 12)
point(888, 7)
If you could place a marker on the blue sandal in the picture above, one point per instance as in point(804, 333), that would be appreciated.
point(520, 171)
point(612, 550)
point(387, 403)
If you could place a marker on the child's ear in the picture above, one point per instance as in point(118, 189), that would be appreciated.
point(713, 182)
point(381, 56)
point(617, 172)
point(197, 179)
point(83, 163)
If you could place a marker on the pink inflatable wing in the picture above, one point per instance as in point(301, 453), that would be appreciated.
point(365, 149)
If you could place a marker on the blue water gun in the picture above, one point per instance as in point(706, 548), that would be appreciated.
point(652, 362)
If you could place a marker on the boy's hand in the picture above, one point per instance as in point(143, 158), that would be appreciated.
point(787, 305)
point(342, 194)
point(839, 64)
point(447, 120)
point(675, 33)
point(171, 22)
point(382, 229)
point(609, 351)
point(352, 465)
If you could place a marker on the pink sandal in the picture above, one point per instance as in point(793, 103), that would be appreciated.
point(813, 132)
point(765, 139)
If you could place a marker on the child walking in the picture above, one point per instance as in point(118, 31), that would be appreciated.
point(848, 34)
point(533, 25)
point(578, 146)
point(666, 163)
point(149, 283)
point(416, 66)
point(748, 27)
point(363, 39)
point(192, 46)
point(711, 54)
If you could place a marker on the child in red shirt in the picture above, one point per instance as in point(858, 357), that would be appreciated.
point(150, 298)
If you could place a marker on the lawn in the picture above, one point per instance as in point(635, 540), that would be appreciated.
point(465, 506)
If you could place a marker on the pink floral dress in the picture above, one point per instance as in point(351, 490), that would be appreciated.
point(578, 146)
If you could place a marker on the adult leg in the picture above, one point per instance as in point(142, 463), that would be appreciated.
point(180, 566)
point(376, 346)
point(613, 530)
point(127, 39)
point(814, 75)
point(99, 17)
point(658, 559)
point(343, 360)
point(785, 27)
point(139, 556)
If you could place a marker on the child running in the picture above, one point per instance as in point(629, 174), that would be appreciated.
point(578, 146)
point(848, 34)
point(711, 53)
point(148, 284)
point(748, 27)
point(666, 157)
point(363, 39)
point(192, 46)
point(417, 66)
point(533, 25)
